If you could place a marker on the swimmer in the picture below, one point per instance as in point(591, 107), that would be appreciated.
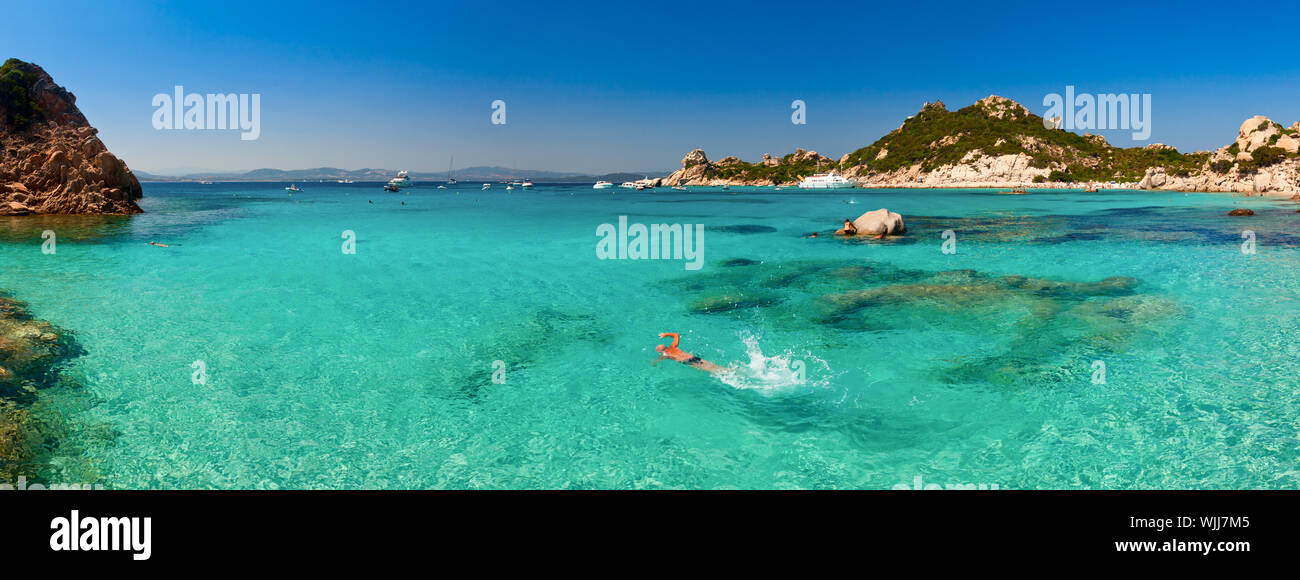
point(671, 351)
point(159, 245)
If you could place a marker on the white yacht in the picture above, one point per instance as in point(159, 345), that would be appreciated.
point(487, 186)
point(400, 181)
point(602, 185)
point(346, 181)
point(628, 185)
point(827, 181)
point(526, 185)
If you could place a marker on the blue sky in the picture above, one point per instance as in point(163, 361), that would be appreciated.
point(607, 86)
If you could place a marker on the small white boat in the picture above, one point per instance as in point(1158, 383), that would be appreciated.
point(487, 186)
point(510, 187)
point(602, 185)
point(527, 185)
point(442, 187)
point(827, 181)
point(679, 187)
point(345, 181)
point(293, 188)
point(628, 185)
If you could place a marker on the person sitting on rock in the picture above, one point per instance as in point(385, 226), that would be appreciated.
point(849, 229)
point(671, 351)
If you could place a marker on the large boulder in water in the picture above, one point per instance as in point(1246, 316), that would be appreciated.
point(881, 221)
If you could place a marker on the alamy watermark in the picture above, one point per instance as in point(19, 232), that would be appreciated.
point(211, 112)
point(498, 112)
point(498, 372)
point(800, 114)
point(654, 242)
point(1090, 112)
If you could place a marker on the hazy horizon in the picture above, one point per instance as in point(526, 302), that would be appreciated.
point(601, 88)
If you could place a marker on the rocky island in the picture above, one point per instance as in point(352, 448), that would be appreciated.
point(51, 161)
point(997, 142)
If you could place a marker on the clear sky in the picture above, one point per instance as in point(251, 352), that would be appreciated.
point(626, 85)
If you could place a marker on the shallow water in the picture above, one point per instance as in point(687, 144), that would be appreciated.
point(852, 364)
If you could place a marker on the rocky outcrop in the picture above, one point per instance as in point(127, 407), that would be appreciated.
point(699, 171)
point(51, 161)
point(999, 143)
point(975, 170)
point(1235, 169)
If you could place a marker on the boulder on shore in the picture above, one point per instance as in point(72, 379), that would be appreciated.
point(878, 222)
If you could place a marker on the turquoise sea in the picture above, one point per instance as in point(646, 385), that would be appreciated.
point(857, 364)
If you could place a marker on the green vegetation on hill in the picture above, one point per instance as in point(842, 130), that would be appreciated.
point(15, 100)
point(936, 137)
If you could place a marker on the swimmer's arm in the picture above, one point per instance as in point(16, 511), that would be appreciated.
point(676, 338)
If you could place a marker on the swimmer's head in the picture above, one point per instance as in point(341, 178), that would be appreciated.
point(660, 348)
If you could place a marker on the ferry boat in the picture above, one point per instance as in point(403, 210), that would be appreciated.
point(602, 185)
point(827, 181)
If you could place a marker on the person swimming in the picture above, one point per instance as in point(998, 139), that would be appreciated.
point(671, 351)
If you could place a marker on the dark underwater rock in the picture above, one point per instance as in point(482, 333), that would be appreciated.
point(725, 302)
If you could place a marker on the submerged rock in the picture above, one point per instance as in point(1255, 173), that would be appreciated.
point(737, 301)
point(30, 352)
point(1242, 211)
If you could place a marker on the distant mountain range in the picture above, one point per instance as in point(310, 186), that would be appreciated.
point(479, 173)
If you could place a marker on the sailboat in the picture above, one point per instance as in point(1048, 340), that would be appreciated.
point(450, 179)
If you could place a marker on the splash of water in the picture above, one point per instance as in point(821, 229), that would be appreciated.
point(783, 372)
